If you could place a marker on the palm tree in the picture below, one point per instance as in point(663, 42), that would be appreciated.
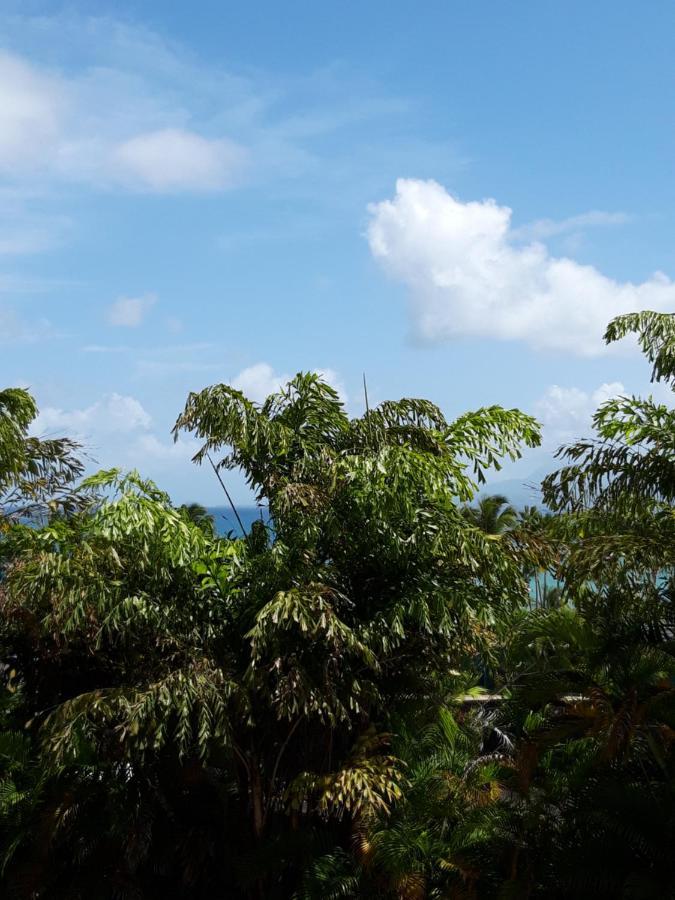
point(198, 515)
point(493, 515)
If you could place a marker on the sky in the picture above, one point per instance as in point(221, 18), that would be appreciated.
point(451, 197)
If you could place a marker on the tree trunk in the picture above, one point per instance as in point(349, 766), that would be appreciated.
point(257, 807)
point(257, 816)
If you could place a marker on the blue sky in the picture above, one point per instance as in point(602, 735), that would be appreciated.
point(454, 197)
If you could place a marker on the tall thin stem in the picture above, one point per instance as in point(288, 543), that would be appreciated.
point(227, 494)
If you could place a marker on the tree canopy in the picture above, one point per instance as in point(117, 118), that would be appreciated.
point(362, 696)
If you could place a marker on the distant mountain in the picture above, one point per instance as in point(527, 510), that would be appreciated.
point(519, 491)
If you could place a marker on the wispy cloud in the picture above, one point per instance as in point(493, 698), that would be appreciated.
point(165, 367)
point(89, 128)
point(174, 324)
point(172, 159)
point(129, 312)
point(17, 329)
point(106, 348)
point(23, 232)
point(32, 105)
point(546, 228)
point(140, 113)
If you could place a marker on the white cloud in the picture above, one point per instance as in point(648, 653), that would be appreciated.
point(468, 276)
point(129, 312)
point(566, 412)
point(257, 382)
point(118, 428)
point(331, 377)
point(544, 228)
point(94, 128)
point(122, 107)
point(15, 329)
point(31, 111)
point(105, 348)
point(112, 414)
point(172, 159)
point(149, 446)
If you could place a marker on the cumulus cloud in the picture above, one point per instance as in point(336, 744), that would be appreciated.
point(129, 312)
point(469, 275)
point(260, 380)
point(566, 412)
point(112, 414)
point(172, 159)
point(331, 377)
point(119, 428)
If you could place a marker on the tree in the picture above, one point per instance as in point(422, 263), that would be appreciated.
point(36, 476)
point(199, 515)
point(196, 693)
point(593, 682)
point(493, 514)
point(37, 484)
point(294, 712)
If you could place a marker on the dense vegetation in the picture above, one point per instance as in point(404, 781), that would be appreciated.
point(366, 699)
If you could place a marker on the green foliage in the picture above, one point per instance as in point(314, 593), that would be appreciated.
point(198, 514)
point(656, 337)
point(493, 515)
point(360, 698)
point(36, 476)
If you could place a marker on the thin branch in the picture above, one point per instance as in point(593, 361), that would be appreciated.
point(242, 758)
point(227, 494)
point(281, 752)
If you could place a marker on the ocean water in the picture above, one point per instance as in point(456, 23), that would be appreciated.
point(226, 521)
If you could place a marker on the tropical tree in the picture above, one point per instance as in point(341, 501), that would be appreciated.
point(493, 514)
point(220, 707)
point(293, 712)
point(37, 483)
point(593, 683)
point(199, 515)
point(446, 834)
point(36, 476)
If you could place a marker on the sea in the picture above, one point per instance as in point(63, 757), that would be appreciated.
point(226, 522)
